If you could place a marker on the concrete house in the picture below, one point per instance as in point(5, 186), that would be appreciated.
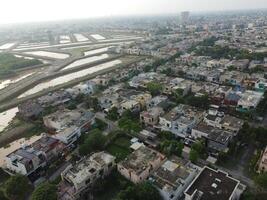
point(78, 178)
point(139, 165)
point(173, 177)
point(211, 184)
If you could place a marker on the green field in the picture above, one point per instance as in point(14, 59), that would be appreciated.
point(9, 63)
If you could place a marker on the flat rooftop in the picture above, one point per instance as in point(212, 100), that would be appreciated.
point(140, 159)
point(212, 185)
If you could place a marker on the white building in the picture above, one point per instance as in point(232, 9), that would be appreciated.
point(77, 178)
point(173, 177)
point(249, 101)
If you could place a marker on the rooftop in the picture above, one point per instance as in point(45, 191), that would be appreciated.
point(172, 174)
point(140, 159)
point(87, 167)
point(211, 184)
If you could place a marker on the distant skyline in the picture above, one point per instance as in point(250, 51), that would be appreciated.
point(17, 11)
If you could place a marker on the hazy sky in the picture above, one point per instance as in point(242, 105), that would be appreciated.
point(42, 10)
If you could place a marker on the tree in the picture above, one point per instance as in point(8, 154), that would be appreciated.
point(45, 191)
point(172, 147)
point(261, 180)
point(17, 187)
point(143, 190)
point(129, 125)
point(2, 195)
point(193, 155)
point(93, 142)
point(92, 102)
point(201, 102)
point(154, 88)
point(113, 114)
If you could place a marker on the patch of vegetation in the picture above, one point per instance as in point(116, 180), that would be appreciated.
point(9, 63)
point(45, 191)
point(17, 187)
point(154, 88)
point(109, 187)
point(93, 141)
point(143, 190)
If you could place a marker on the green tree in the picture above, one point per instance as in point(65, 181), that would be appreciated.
point(261, 180)
point(193, 155)
point(45, 191)
point(2, 195)
point(17, 187)
point(113, 114)
point(172, 147)
point(92, 102)
point(201, 102)
point(94, 141)
point(143, 190)
point(154, 88)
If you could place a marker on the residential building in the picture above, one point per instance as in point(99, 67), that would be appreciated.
point(180, 120)
point(27, 159)
point(151, 117)
point(213, 184)
point(173, 177)
point(30, 109)
point(132, 105)
point(139, 164)
point(78, 178)
point(261, 85)
point(67, 125)
point(249, 101)
point(263, 161)
point(156, 101)
point(217, 139)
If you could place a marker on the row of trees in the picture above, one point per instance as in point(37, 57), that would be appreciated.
point(217, 52)
point(18, 187)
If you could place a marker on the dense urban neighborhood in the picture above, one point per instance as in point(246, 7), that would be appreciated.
point(160, 108)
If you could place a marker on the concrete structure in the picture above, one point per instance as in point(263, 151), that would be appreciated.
point(249, 101)
point(217, 139)
point(151, 117)
point(27, 159)
point(77, 178)
point(214, 185)
point(67, 125)
point(263, 162)
point(138, 165)
point(173, 177)
point(181, 119)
